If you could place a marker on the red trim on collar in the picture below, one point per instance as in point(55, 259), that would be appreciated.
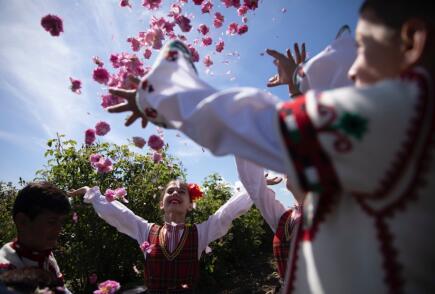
point(35, 255)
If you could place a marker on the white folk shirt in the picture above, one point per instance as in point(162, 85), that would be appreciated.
point(125, 221)
point(374, 235)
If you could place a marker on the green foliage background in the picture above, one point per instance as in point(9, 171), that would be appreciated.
point(240, 261)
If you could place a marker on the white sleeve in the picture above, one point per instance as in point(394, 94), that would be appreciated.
point(252, 177)
point(118, 215)
point(219, 223)
point(241, 121)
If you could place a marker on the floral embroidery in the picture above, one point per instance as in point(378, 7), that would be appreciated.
point(353, 125)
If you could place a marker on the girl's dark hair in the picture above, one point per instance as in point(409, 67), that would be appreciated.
point(38, 197)
point(394, 13)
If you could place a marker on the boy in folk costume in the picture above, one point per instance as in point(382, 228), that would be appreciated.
point(39, 212)
point(364, 154)
point(171, 251)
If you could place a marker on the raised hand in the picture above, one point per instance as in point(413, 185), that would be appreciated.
point(128, 105)
point(286, 65)
point(272, 181)
point(78, 192)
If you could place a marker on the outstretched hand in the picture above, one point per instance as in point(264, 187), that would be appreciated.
point(272, 181)
point(128, 105)
point(286, 65)
point(78, 192)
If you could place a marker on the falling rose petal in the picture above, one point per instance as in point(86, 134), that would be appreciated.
point(206, 7)
point(207, 41)
point(108, 287)
point(93, 158)
point(76, 85)
point(102, 128)
point(75, 217)
point(124, 3)
point(146, 247)
point(147, 53)
point(52, 24)
point(97, 60)
point(203, 29)
point(155, 142)
point(252, 4)
point(197, 2)
point(220, 46)
point(93, 278)
point(175, 9)
point(218, 20)
point(207, 61)
point(232, 29)
point(194, 53)
point(110, 100)
point(242, 10)
point(151, 4)
point(139, 142)
point(101, 75)
point(244, 19)
point(90, 136)
point(183, 22)
point(283, 10)
point(242, 29)
point(135, 44)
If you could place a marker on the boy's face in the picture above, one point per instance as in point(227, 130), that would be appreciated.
point(42, 232)
point(379, 54)
point(176, 198)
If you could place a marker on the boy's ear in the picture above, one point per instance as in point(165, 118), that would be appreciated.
point(21, 220)
point(414, 34)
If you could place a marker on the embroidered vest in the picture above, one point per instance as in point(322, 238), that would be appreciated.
point(175, 272)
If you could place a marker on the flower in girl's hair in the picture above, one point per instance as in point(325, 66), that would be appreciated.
point(195, 192)
point(89, 136)
point(155, 142)
point(52, 24)
point(146, 247)
point(139, 142)
point(108, 287)
point(102, 128)
point(76, 85)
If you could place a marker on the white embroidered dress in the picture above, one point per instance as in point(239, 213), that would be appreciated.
point(364, 154)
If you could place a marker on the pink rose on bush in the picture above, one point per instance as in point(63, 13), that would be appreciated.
point(102, 128)
point(108, 287)
point(89, 136)
point(101, 75)
point(157, 157)
point(155, 142)
point(76, 85)
point(139, 142)
point(52, 24)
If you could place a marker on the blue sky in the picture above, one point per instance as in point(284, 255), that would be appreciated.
point(35, 69)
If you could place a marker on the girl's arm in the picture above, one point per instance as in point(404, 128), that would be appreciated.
point(115, 214)
point(219, 223)
point(252, 177)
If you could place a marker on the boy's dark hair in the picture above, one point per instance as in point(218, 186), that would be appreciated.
point(28, 279)
point(394, 13)
point(38, 197)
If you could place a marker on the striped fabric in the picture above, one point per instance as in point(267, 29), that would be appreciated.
point(172, 272)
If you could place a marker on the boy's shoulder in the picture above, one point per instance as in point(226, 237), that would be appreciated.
point(8, 257)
